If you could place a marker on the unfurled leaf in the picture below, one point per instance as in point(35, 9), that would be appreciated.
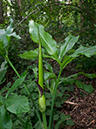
point(88, 52)
point(5, 35)
point(33, 54)
point(48, 67)
point(83, 86)
point(46, 39)
point(5, 120)
point(49, 75)
point(91, 76)
point(67, 80)
point(69, 43)
point(17, 104)
point(3, 71)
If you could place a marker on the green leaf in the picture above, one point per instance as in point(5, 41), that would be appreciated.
point(52, 85)
point(17, 83)
point(63, 117)
point(49, 75)
point(56, 117)
point(67, 80)
point(3, 71)
point(48, 67)
point(83, 86)
point(1, 99)
point(46, 39)
point(5, 120)
point(66, 60)
point(17, 104)
point(88, 52)
point(28, 125)
point(14, 35)
point(3, 37)
point(35, 70)
point(69, 43)
point(5, 34)
point(91, 76)
point(9, 29)
point(70, 122)
point(1, 47)
point(30, 54)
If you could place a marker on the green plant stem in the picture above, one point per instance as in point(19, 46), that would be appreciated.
point(16, 73)
point(12, 66)
point(53, 101)
point(44, 120)
point(37, 113)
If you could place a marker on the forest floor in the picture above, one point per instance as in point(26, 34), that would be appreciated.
point(81, 106)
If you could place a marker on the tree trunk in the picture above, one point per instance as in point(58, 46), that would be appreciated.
point(1, 13)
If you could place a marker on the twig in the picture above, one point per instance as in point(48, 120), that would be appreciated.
point(72, 103)
point(25, 17)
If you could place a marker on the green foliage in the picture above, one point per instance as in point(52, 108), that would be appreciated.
point(5, 120)
point(5, 35)
point(88, 52)
point(18, 106)
point(81, 85)
point(29, 93)
point(40, 36)
point(69, 43)
point(17, 83)
point(3, 71)
point(30, 54)
point(45, 38)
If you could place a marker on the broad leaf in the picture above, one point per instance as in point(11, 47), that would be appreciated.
point(5, 120)
point(48, 67)
point(33, 54)
point(3, 71)
point(5, 35)
point(46, 39)
point(17, 104)
point(49, 75)
point(88, 52)
point(83, 86)
point(91, 76)
point(69, 43)
point(67, 80)
point(52, 85)
point(17, 83)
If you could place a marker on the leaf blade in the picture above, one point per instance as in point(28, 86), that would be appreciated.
point(17, 104)
point(5, 120)
point(69, 43)
point(46, 39)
